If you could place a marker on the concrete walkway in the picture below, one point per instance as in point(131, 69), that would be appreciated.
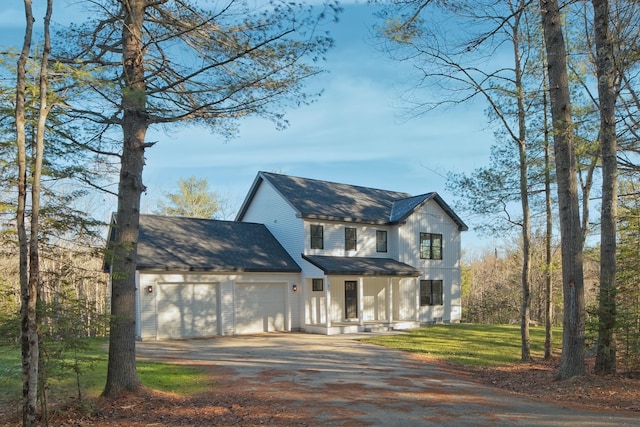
point(341, 381)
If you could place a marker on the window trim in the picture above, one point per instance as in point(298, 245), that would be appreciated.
point(317, 239)
point(317, 285)
point(379, 241)
point(430, 238)
point(429, 295)
point(350, 242)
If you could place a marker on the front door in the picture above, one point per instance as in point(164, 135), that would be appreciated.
point(351, 299)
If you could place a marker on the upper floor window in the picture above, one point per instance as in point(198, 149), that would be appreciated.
point(350, 239)
point(317, 237)
point(381, 241)
point(431, 292)
point(430, 246)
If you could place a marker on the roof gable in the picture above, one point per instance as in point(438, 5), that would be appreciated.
point(324, 200)
point(316, 199)
point(176, 243)
point(404, 207)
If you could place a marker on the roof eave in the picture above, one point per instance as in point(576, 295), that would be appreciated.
point(343, 219)
point(329, 272)
point(220, 270)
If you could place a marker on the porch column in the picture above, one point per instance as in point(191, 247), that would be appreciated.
point(361, 301)
point(327, 303)
point(389, 300)
point(416, 286)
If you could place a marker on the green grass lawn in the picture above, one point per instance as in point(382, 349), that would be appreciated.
point(470, 345)
point(182, 380)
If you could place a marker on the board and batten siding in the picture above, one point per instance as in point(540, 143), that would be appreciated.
point(269, 208)
point(431, 218)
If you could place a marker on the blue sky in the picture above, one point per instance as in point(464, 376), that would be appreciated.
point(355, 133)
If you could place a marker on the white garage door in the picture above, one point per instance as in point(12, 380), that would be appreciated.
point(260, 307)
point(187, 310)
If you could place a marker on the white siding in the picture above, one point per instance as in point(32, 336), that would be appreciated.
point(334, 240)
point(405, 292)
point(270, 209)
point(430, 218)
point(137, 302)
point(374, 299)
point(315, 304)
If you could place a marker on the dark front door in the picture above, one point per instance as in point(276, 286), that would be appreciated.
point(351, 299)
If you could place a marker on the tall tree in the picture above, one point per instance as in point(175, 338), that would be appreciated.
point(572, 361)
point(457, 65)
point(548, 236)
point(607, 94)
point(193, 199)
point(178, 62)
point(29, 244)
point(28, 291)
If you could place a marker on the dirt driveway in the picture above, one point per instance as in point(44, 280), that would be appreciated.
point(339, 381)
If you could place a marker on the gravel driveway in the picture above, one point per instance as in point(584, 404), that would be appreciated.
point(339, 381)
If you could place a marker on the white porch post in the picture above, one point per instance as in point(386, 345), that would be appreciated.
point(390, 300)
point(416, 286)
point(361, 301)
point(327, 303)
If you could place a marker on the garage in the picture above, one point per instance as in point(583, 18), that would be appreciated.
point(260, 307)
point(200, 278)
point(187, 310)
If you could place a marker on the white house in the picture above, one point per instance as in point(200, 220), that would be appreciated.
point(302, 255)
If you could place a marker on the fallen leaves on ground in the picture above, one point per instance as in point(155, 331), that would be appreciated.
point(538, 379)
point(231, 404)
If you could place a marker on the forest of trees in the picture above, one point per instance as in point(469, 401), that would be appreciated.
point(564, 109)
point(77, 103)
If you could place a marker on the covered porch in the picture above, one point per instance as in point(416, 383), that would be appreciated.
point(357, 294)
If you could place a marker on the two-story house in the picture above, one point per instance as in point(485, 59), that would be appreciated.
point(368, 256)
point(302, 255)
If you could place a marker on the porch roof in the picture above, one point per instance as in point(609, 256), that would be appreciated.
point(359, 266)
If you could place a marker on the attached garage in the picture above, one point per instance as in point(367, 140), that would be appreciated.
point(187, 310)
point(260, 308)
point(202, 278)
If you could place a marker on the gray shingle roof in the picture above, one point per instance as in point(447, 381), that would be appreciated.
point(359, 266)
point(174, 243)
point(316, 199)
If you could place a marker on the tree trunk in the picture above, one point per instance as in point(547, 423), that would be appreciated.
point(606, 353)
point(525, 303)
point(572, 361)
point(38, 155)
point(548, 292)
point(28, 293)
point(121, 371)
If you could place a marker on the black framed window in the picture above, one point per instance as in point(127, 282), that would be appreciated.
point(317, 285)
point(430, 246)
point(317, 237)
point(431, 292)
point(350, 239)
point(381, 241)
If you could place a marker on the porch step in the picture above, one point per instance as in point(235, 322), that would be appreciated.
point(377, 328)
